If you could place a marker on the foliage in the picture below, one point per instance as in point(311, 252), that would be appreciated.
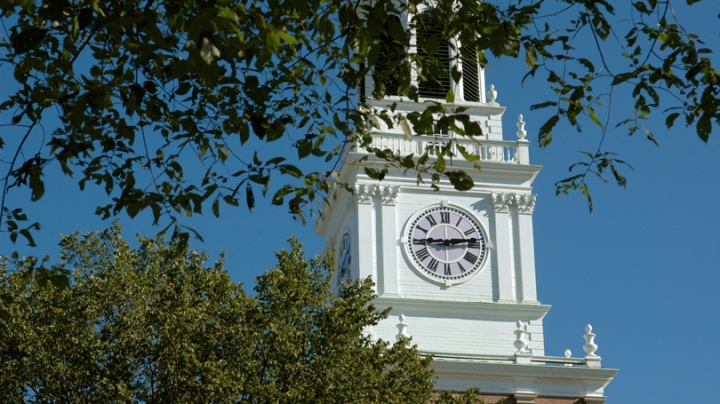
point(177, 107)
point(152, 324)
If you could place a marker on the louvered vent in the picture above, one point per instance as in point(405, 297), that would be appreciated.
point(470, 71)
point(383, 75)
point(438, 87)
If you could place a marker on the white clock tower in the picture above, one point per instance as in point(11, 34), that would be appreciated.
point(458, 268)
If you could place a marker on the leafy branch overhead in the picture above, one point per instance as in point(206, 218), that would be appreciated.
point(179, 108)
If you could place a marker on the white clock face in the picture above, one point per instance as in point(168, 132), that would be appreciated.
point(446, 244)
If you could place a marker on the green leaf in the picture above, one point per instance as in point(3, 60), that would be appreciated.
point(290, 169)
point(460, 180)
point(704, 127)
point(440, 164)
point(272, 41)
point(405, 128)
point(249, 197)
point(545, 134)
point(530, 55)
point(586, 193)
point(450, 97)
point(27, 39)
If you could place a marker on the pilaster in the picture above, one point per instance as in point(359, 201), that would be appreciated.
point(525, 206)
point(389, 236)
point(363, 195)
point(503, 249)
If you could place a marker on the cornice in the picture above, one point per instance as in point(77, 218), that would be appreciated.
point(489, 309)
point(475, 108)
point(509, 378)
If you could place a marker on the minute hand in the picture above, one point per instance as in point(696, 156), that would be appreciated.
point(455, 241)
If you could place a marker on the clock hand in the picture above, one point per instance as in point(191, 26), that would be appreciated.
point(452, 241)
point(456, 241)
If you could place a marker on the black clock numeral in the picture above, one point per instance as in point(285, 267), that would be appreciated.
point(469, 232)
point(447, 269)
point(433, 264)
point(431, 219)
point(421, 229)
point(470, 257)
point(422, 254)
point(444, 217)
point(458, 222)
point(462, 268)
point(418, 241)
point(474, 244)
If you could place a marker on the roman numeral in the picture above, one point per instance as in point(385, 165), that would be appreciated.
point(418, 241)
point(444, 217)
point(474, 244)
point(431, 219)
point(421, 229)
point(433, 264)
point(462, 268)
point(469, 232)
point(470, 257)
point(422, 254)
point(458, 222)
point(447, 269)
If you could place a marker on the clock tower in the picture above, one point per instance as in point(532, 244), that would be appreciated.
point(458, 268)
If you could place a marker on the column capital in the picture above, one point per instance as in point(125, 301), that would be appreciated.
point(389, 194)
point(364, 193)
point(525, 203)
point(501, 202)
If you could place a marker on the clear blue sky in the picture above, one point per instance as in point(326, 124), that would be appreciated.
point(642, 268)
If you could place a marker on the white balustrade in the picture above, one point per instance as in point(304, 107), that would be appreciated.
point(488, 150)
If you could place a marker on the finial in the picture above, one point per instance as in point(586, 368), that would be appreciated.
point(521, 133)
point(590, 346)
point(520, 342)
point(492, 94)
point(568, 354)
point(402, 328)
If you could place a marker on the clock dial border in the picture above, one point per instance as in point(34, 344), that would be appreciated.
point(344, 251)
point(442, 223)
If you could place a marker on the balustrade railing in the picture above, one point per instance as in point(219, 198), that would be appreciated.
point(488, 150)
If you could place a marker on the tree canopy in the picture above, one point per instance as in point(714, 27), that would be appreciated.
point(154, 324)
point(181, 107)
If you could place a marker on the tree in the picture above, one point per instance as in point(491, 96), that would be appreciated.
point(153, 324)
point(172, 106)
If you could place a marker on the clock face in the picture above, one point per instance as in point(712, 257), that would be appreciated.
point(446, 244)
point(344, 259)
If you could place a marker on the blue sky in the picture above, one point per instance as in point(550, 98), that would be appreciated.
point(642, 268)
